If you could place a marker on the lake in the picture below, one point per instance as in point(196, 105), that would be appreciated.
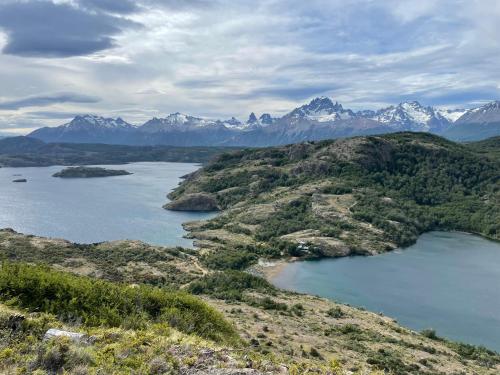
point(88, 210)
point(446, 281)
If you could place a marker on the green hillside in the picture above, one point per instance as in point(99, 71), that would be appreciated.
point(360, 195)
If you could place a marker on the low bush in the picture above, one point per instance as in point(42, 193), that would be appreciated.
point(229, 285)
point(101, 303)
point(224, 259)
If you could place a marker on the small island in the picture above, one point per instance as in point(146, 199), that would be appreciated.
point(89, 172)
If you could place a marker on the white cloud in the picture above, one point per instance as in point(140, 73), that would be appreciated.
point(224, 58)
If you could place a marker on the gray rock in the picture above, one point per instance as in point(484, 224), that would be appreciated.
point(73, 336)
point(193, 202)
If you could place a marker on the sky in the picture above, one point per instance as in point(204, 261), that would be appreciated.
point(137, 59)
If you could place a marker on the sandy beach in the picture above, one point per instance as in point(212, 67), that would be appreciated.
point(270, 269)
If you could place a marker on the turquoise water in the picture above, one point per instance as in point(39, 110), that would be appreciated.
point(96, 209)
point(446, 281)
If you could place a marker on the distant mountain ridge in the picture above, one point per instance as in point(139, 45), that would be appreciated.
point(319, 119)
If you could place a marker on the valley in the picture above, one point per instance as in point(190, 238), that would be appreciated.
point(358, 196)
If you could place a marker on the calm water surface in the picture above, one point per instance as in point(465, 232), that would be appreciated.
point(90, 210)
point(446, 281)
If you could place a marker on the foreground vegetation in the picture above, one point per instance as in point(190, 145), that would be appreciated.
point(98, 303)
point(361, 195)
point(140, 324)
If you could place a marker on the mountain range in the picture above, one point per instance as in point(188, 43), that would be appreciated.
point(320, 119)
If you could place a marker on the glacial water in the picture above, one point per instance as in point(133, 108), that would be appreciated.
point(87, 210)
point(446, 281)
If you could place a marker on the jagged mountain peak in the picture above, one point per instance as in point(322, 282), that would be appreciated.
point(491, 106)
point(411, 103)
point(320, 118)
point(266, 119)
point(233, 121)
point(323, 103)
point(321, 109)
point(252, 119)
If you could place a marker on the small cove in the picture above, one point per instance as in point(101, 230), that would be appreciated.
point(447, 281)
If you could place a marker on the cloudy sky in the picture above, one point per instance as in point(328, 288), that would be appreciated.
point(219, 58)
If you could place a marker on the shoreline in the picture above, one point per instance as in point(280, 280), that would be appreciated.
point(270, 269)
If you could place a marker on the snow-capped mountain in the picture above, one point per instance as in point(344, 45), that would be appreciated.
point(452, 115)
point(233, 123)
point(181, 122)
point(321, 118)
point(175, 121)
point(487, 113)
point(97, 122)
point(478, 123)
point(412, 116)
point(88, 129)
point(254, 122)
point(321, 110)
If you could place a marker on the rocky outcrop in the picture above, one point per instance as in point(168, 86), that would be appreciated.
point(193, 202)
point(73, 336)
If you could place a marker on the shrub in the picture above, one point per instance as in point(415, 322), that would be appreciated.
point(229, 259)
point(229, 285)
point(335, 312)
point(430, 333)
point(98, 302)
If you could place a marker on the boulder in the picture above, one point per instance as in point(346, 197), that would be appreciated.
point(193, 202)
point(73, 336)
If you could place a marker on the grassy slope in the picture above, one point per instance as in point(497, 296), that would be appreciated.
point(333, 198)
point(281, 328)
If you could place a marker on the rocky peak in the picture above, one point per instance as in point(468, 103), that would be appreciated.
point(321, 109)
point(252, 119)
point(324, 104)
point(266, 119)
point(233, 121)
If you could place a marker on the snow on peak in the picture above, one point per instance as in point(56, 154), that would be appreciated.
point(233, 122)
point(93, 121)
point(452, 115)
point(487, 113)
point(411, 115)
point(175, 120)
point(321, 109)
